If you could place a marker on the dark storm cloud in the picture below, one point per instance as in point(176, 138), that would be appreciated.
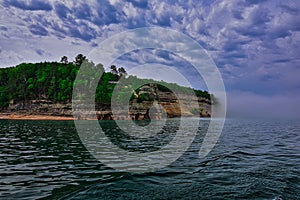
point(106, 14)
point(3, 28)
point(28, 5)
point(83, 11)
point(234, 44)
point(100, 13)
point(61, 10)
point(38, 30)
point(251, 2)
point(139, 3)
point(291, 10)
point(256, 23)
point(251, 31)
point(83, 31)
point(237, 14)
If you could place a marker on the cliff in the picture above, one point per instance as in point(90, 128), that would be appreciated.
point(46, 88)
point(155, 104)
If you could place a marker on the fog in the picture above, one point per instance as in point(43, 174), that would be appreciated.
point(249, 105)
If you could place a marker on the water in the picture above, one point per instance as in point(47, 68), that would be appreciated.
point(252, 160)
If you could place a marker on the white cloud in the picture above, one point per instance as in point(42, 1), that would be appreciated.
point(130, 10)
point(8, 57)
point(17, 53)
point(114, 2)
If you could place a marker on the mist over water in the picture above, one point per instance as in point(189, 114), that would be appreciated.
point(249, 105)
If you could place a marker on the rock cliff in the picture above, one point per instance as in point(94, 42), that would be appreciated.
point(149, 103)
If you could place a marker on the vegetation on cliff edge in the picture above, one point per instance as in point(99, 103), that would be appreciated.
point(54, 81)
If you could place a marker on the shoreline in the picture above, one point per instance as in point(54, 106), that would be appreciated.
point(26, 116)
point(18, 116)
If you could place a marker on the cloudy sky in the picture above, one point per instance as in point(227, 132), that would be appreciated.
point(254, 44)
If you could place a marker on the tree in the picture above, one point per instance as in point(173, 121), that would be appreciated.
point(64, 60)
point(114, 69)
point(122, 71)
point(54, 81)
point(79, 59)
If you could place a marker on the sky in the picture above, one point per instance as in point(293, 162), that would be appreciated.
point(253, 43)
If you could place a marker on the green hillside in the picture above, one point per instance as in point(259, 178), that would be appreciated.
point(54, 81)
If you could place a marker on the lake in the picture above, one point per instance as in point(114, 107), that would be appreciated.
point(253, 159)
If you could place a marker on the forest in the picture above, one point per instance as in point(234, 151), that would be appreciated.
point(54, 81)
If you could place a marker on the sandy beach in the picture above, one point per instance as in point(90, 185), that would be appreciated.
point(17, 116)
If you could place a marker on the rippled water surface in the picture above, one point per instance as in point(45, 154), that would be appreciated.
point(252, 160)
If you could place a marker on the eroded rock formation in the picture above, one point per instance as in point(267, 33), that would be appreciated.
point(155, 104)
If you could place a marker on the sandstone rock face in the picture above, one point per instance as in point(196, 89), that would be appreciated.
point(186, 106)
point(44, 107)
point(155, 104)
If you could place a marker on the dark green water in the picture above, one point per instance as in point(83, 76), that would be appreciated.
point(252, 160)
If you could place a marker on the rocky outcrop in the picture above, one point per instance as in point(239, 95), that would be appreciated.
point(149, 103)
point(43, 107)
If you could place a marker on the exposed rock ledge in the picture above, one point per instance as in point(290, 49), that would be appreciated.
point(137, 111)
point(164, 104)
